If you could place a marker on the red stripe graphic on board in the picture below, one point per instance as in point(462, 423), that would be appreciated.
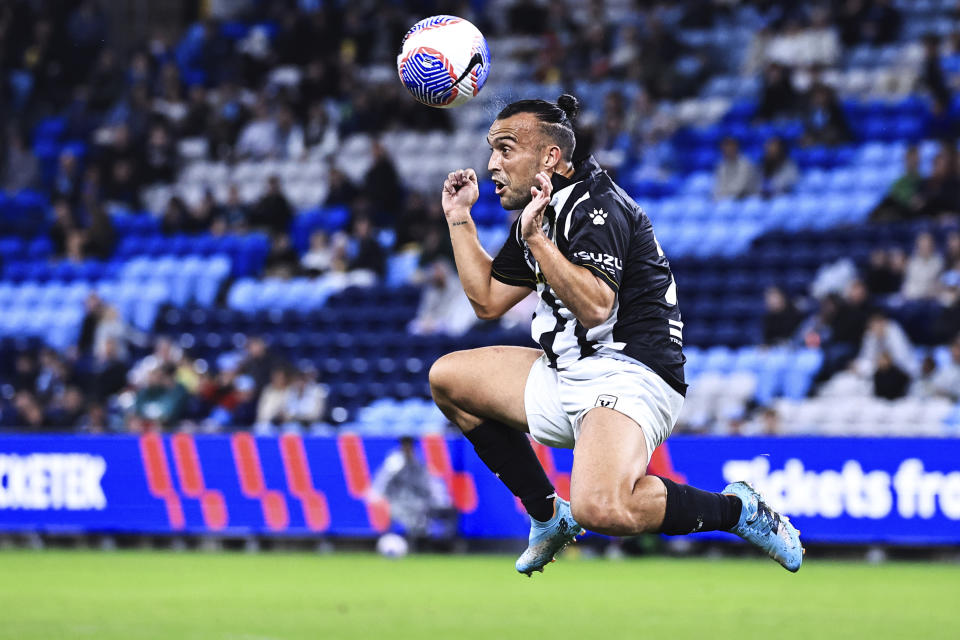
point(250, 472)
point(460, 484)
point(295, 465)
point(158, 478)
point(213, 508)
point(356, 472)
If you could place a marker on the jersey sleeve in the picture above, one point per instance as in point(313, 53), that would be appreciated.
point(598, 237)
point(510, 267)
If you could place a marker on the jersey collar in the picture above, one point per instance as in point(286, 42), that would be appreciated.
point(584, 169)
point(563, 186)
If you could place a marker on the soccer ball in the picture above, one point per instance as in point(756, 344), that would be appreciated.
point(444, 61)
point(390, 545)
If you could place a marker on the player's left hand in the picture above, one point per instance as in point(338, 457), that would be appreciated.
point(531, 219)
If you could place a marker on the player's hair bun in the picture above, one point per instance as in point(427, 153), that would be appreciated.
point(569, 105)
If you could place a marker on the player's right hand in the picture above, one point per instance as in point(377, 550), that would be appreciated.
point(460, 193)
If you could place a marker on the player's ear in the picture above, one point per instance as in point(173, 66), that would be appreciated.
point(551, 156)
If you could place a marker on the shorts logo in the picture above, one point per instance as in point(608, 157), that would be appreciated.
point(606, 401)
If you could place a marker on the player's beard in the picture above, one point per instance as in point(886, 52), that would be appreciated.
point(516, 198)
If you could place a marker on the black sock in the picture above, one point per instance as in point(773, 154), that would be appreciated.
point(690, 510)
point(507, 452)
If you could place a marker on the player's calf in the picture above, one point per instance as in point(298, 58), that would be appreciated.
point(610, 513)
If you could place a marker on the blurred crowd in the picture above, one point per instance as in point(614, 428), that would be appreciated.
point(853, 315)
point(300, 81)
point(101, 387)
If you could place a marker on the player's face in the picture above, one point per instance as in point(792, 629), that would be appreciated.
point(515, 146)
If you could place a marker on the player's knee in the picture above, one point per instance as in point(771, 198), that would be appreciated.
point(442, 378)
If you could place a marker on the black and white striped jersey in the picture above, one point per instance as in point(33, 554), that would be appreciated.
point(595, 224)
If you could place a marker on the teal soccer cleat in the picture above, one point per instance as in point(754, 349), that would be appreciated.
point(548, 538)
point(766, 528)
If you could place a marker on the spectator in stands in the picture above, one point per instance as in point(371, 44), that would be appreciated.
point(106, 81)
point(258, 362)
point(319, 257)
point(382, 185)
point(940, 123)
point(932, 77)
point(160, 404)
point(885, 339)
point(25, 372)
point(29, 413)
point(66, 410)
point(258, 140)
point(234, 213)
point(273, 211)
point(164, 353)
point(901, 199)
point(93, 310)
point(175, 216)
point(123, 187)
point(778, 98)
point(96, 421)
point(20, 167)
point(369, 255)
point(889, 381)
point(66, 181)
point(444, 308)
point(64, 225)
point(778, 171)
point(781, 318)
point(946, 380)
point(847, 325)
point(52, 377)
point(735, 176)
point(940, 192)
point(341, 191)
point(282, 260)
point(159, 156)
point(109, 372)
point(306, 400)
point(271, 408)
point(200, 219)
point(824, 120)
point(952, 255)
point(320, 133)
point(869, 21)
point(289, 140)
point(113, 328)
point(884, 274)
point(99, 237)
point(923, 270)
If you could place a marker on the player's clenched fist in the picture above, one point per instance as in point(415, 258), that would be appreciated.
point(460, 193)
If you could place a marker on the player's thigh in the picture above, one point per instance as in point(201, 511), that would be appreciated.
point(488, 382)
point(609, 459)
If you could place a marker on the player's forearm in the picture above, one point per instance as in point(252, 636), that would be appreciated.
point(473, 262)
point(577, 287)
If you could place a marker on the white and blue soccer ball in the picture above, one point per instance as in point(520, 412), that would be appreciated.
point(444, 61)
point(391, 545)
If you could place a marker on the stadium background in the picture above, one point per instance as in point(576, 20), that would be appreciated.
point(225, 271)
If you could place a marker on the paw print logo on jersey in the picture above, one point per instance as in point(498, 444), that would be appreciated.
point(599, 216)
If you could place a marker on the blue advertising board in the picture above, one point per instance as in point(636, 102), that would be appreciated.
point(857, 490)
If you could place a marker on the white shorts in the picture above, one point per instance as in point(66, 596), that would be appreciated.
point(556, 401)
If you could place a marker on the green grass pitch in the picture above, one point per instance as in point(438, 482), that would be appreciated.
point(51, 595)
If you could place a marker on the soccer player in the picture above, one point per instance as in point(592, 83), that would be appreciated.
point(608, 377)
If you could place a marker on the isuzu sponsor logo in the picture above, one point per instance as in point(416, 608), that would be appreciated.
point(610, 264)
